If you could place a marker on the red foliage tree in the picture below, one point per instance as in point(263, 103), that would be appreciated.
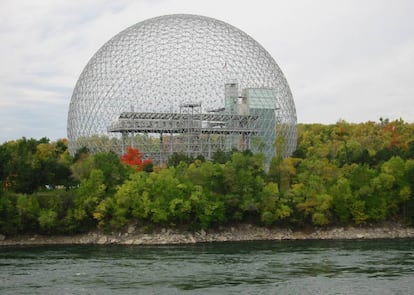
point(133, 157)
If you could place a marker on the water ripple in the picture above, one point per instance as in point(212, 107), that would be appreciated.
point(288, 267)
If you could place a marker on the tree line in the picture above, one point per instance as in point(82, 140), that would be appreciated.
point(340, 174)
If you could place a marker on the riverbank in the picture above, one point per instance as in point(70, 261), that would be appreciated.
point(244, 232)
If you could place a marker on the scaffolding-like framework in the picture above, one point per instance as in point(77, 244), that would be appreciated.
point(189, 132)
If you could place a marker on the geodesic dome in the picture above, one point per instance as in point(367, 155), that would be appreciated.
point(186, 65)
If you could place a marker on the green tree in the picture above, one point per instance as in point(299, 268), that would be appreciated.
point(243, 179)
point(89, 194)
point(47, 220)
point(9, 219)
point(20, 175)
point(365, 201)
point(343, 200)
point(283, 172)
point(273, 207)
point(28, 210)
point(408, 208)
point(52, 163)
point(311, 192)
point(114, 172)
point(394, 185)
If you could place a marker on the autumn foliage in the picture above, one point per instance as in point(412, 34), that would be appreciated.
point(133, 157)
point(343, 174)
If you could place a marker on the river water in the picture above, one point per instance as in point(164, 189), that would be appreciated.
point(282, 267)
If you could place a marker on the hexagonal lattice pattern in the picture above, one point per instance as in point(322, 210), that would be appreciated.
point(160, 63)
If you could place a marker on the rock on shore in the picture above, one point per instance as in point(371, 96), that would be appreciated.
point(244, 232)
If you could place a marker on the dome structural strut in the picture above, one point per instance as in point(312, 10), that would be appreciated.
point(182, 83)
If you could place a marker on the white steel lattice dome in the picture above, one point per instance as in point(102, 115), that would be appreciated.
point(158, 64)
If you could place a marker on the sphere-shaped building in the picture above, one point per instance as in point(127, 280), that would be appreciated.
point(182, 83)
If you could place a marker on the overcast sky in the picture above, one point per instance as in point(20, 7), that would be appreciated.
point(343, 59)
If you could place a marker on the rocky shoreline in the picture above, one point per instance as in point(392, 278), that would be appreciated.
point(244, 232)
